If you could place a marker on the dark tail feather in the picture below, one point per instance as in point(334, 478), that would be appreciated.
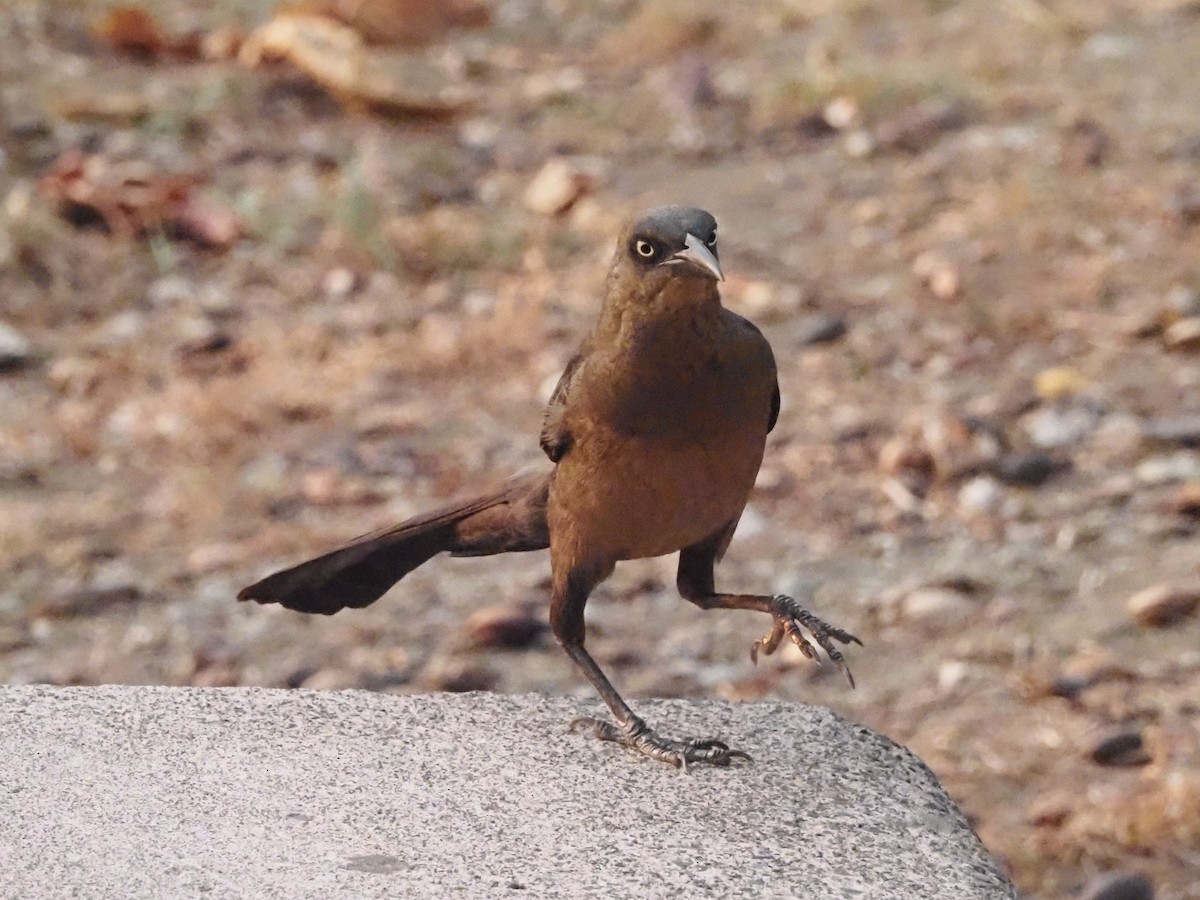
point(508, 521)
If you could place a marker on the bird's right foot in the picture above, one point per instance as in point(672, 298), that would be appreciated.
point(637, 735)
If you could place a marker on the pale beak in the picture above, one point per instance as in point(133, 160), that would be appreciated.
point(696, 255)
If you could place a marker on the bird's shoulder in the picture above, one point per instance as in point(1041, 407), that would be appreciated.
point(556, 437)
point(754, 350)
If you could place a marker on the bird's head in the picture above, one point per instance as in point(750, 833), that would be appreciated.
point(664, 253)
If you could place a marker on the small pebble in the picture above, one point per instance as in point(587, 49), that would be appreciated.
point(340, 282)
point(939, 274)
point(1183, 465)
point(1126, 748)
point(85, 601)
point(15, 350)
point(557, 186)
point(1029, 469)
point(1162, 605)
point(980, 495)
point(1059, 382)
point(1187, 501)
point(821, 329)
point(1184, 430)
point(937, 605)
point(1183, 335)
point(509, 626)
point(1053, 426)
point(1119, 886)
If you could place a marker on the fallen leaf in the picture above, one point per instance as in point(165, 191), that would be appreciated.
point(131, 30)
point(336, 57)
point(131, 199)
point(411, 23)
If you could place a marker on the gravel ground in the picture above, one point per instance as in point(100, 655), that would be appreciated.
point(970, 230)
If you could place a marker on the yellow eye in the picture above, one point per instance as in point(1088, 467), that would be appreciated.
point(645, 249)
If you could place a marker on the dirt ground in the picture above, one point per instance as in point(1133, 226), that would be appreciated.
point(971, 231)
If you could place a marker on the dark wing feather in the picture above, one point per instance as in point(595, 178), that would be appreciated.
point(555, 438)
point(774, 415)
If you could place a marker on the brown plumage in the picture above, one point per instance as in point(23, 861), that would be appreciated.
point(656, 429)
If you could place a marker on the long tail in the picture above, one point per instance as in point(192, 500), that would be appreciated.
point(508, 521)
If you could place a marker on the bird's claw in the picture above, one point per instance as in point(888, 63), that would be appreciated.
point(638, 736)
point(790, 619)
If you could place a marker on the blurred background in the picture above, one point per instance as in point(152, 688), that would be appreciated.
point(270, 279)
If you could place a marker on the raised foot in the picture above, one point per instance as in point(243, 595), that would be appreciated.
point(790, 618)
point(637, 735)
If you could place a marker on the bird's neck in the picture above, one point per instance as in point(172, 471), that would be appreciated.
point(684, 306)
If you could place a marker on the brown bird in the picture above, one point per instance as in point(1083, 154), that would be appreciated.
point(657, 430)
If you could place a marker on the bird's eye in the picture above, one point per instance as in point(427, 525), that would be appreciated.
point(645, 249)
point(712, 241)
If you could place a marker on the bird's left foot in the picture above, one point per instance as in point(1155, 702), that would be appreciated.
point(790, 618)
point(637, 735)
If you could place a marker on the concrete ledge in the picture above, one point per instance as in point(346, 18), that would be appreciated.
point(177, 792)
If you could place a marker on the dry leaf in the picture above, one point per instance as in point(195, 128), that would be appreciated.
point(131, 198)
point(337, 58)
point(411, 23)
point(131, 30)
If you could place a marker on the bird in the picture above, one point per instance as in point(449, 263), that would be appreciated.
point(656, 431)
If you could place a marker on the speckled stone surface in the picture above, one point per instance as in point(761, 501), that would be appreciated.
point(178, 793)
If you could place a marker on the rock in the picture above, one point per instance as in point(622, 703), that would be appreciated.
point(330, 679)
point(936, 604)
point(939, 274)
point(1163, 604)
point(1059, 382)
point(1119, 886)
point(554, 85)
point(915, 128)
point(511, 626)
point(906, 459)
point(1183, 465)
point(1183, 335)
point(1187, 501)
point(15, 350)
point(1085, 145)
point(981, 494)
point(1126, 748)
point(1184, 430)
point(821, 329)
point(340, 282)
point(557, 186)
point(170, 290)
point(456, 676)
point(14, 637)
point(85, 601)
point(1056, 426)
point(266, 473)
point(951, 674)
point(841, 112)
point(859, 143)
point(1184, 205)
point(1117, 440)
point(1028, 469)
point(1182, 302)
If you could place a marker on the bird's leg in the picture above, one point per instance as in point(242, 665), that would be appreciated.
point(566, 621)
point(695, 582)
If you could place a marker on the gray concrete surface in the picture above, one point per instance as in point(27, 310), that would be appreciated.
point(176, 793)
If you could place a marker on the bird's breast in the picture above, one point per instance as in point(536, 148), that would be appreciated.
point(668, 436)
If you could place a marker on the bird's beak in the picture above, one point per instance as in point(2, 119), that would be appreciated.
point(698, 256)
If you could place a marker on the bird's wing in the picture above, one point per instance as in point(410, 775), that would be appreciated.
point(754, 329)
point(555, 438)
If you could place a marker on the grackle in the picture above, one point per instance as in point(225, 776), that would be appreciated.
point(656, 431)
